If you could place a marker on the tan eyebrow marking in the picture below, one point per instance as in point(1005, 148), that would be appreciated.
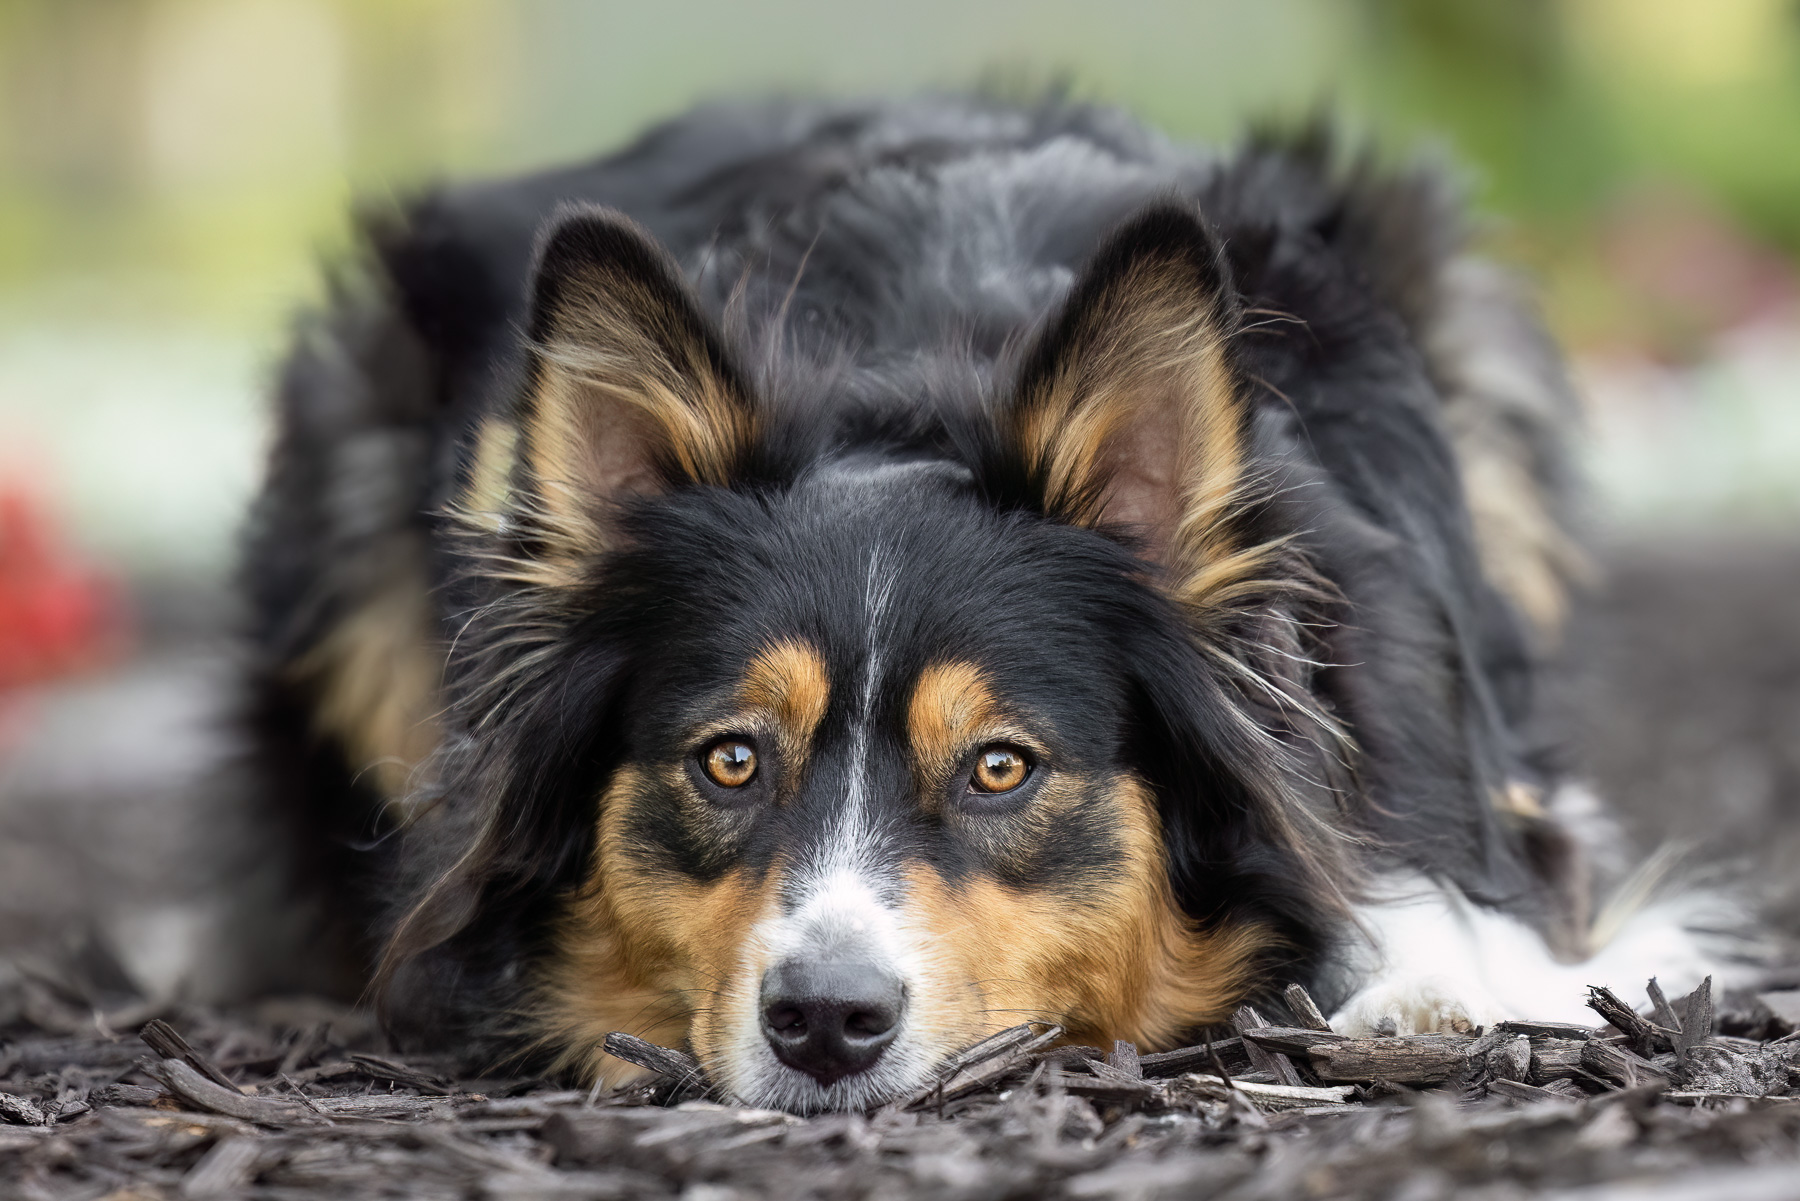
point(951, 704)
point(788, 679)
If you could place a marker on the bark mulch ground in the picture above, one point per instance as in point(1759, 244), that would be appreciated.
point(1658, 1099)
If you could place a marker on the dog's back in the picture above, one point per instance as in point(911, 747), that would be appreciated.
point(876, 267)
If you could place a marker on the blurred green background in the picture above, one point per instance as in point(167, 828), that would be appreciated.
point(171, 172)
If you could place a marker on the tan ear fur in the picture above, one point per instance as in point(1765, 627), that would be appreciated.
point(1132, 413)
point(630, 390)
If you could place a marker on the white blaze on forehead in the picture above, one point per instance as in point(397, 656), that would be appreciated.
point(841, 900)
point(853, 845)
point(842, 903)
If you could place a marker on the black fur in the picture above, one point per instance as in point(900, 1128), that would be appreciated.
point(877, 275)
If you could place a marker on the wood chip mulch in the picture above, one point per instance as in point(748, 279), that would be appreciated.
point(1659, 1101)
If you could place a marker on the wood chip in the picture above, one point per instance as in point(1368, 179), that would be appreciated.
point(1696, 1022)
point(125, 1094)
point(664, 1061)
point(1124, 1058)
point(167, 1042)
point(1269, 1095)
point(377, 1068)
point(1273, 1062)
point(1555, 1059)
point(1416, 1059)
point(1292, 1040)
point(1510, 1059)
point(224, 1170)
point(994, 1046)
point(1536, 1030)
point(1515, 1090)
point(987, 1061)
point(381, 1105)
point(1622, 1018)
point(1305, 1011)
point(1735, 1068)
point(1619, 1065)
point(1110, 1086)
point(1073, 1058)
point(1665, 1012)
point(336, 1069)
point(20, 1111)
point(184, 1081)
point(1229, 1051)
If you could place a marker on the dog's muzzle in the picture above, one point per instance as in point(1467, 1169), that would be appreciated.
point(831, 1019)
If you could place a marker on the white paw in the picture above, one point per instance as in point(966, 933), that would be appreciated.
point(1416, 1005)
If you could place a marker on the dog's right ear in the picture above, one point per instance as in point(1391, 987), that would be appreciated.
point(630, 391)
point(1134, 414)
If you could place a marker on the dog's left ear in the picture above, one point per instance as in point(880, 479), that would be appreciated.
point(1130, 412)
point(631, 391)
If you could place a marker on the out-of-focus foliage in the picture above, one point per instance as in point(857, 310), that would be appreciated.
point(197, 152)
point(207, 147)
point(171, 170)
point(1603, 128)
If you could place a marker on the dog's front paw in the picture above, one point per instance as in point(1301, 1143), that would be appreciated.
point(1416, 1005)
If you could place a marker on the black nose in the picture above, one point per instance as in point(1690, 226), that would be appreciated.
point(829, 1019)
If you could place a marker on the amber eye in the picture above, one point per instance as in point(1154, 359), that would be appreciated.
point(999, 769)
point(729, 762)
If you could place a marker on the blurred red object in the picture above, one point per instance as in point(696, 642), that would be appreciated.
point(57, 615)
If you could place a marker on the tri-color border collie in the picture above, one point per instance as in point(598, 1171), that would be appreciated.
point(830, 582)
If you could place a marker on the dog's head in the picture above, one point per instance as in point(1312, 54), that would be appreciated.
point(832, 761)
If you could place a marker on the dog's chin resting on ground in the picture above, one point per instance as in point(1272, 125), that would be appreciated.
point(833, 581)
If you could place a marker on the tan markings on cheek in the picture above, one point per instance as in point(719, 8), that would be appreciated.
point(1113, 958)
point(728, 966)
point(788, 680)
point(951, 705)
point(643, 949)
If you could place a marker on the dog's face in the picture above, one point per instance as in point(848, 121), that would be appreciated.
point(877, 798)
point(882, 769)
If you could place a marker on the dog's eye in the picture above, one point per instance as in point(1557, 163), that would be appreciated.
point(999, 769)
point(729, 762)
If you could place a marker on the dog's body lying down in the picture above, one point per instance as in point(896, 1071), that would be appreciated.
point(828, 583)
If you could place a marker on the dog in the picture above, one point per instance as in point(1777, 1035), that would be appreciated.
point(832, 581)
